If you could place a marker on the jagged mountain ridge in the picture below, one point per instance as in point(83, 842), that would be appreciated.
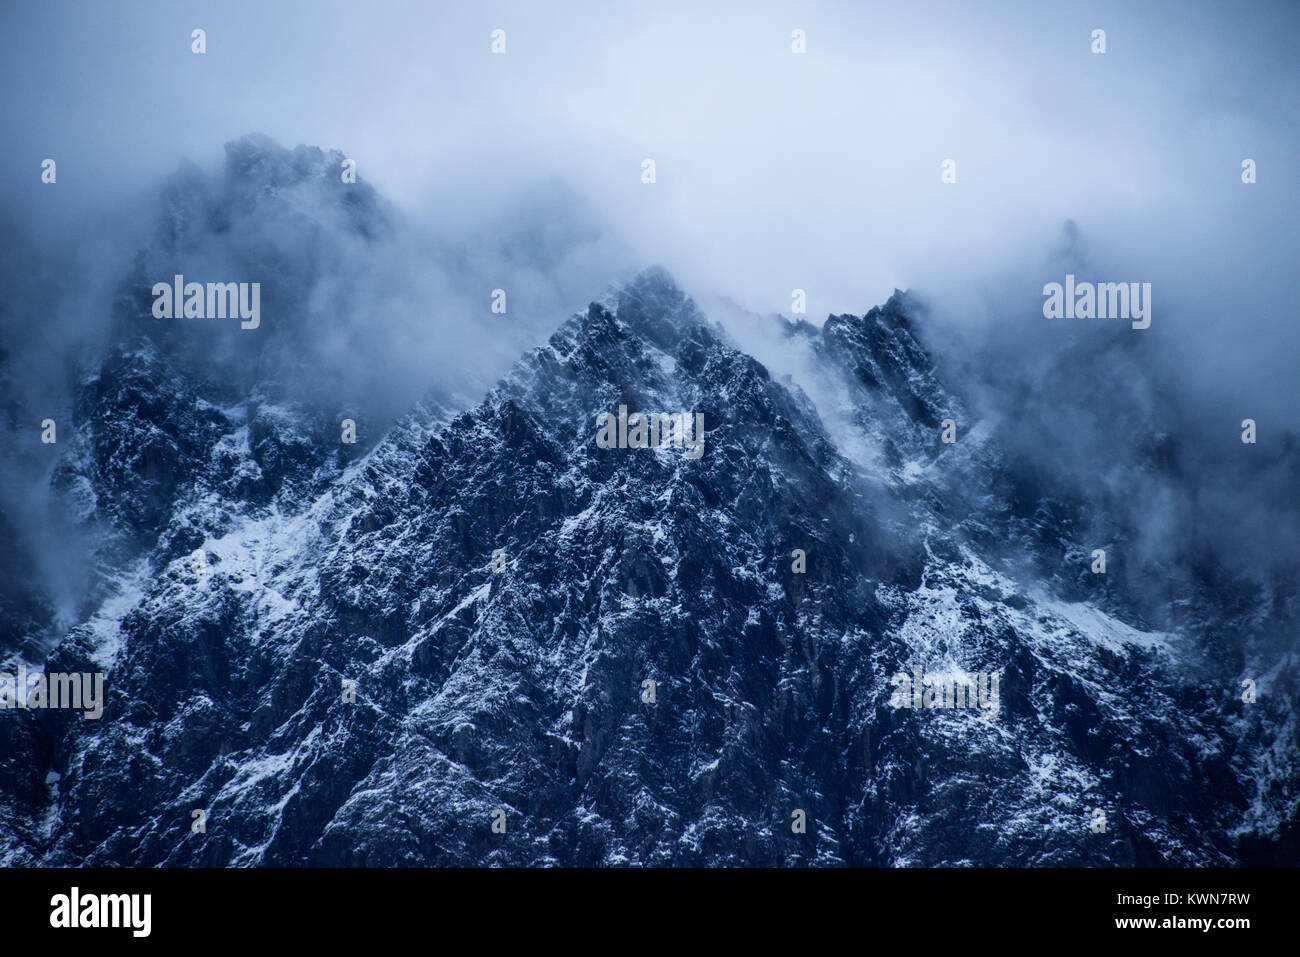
point(522, 690)
point(473, 677)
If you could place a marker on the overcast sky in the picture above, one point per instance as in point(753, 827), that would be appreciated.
point(774, 170)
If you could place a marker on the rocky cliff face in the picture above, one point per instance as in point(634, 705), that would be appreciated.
point(615, 655)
